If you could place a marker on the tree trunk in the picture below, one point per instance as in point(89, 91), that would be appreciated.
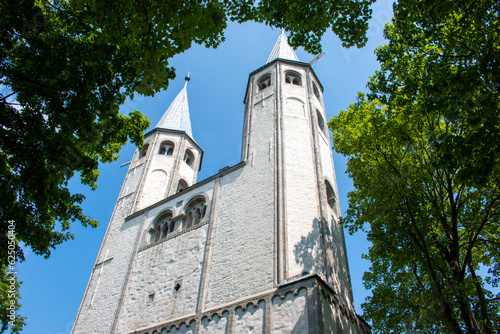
point(488, 327)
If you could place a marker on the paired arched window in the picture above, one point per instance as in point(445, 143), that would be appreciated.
point(195, 212)
point(144, 150)
point(292, 77)
point(264, 81)
point(321, 122)
point(330, 195)
point(166, 148)
point(162, 226)
point(189, 157)
point(182, 185)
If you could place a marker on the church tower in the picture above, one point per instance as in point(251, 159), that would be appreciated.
point(167, 164)
point(286, 94)
point(172, 157)
point(254, 248)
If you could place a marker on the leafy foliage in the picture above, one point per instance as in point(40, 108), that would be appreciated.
point(9, 302)
point(424, 158)
point(67, 65)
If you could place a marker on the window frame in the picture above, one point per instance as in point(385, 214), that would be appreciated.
point(144, 151)
point(157, 229)
point(331, 198)
point(316, 91)
point(184, 186)
point(168, 146)
point(295, 75)
point(265, 80)
point(192, 220)
point(321, 122)
point(189, 154)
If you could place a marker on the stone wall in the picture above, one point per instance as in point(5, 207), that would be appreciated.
point(242, 261)
point(165, 280)
point(305, 305)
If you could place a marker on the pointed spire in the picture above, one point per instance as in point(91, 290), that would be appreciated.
point(282, 49)
point(177, 115)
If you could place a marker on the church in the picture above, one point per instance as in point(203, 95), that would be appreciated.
point(255, 248)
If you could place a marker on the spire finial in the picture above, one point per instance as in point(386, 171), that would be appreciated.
point(187, 78)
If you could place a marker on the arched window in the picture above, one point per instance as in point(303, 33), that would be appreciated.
point(330, 195)
point(166, 148)
point(161, 226)
point(315, 90)
point(195, 212)
point(182, 185)
point(321, 122)
point(189, 157)
point(293, 78)
point(144, 150)
point(264, 82)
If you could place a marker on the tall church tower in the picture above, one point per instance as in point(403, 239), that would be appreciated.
point(284, 108)
point(254, 248)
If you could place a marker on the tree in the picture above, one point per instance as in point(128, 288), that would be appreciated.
point(67, 66)
point(424, 159)
point(9, 302)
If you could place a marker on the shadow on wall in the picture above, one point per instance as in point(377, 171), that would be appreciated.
point(328, 261)
point(308, 251)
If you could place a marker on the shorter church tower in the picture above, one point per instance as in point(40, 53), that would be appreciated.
point(171, 156)
point(168, 163)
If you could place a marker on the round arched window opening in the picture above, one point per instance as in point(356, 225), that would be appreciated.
point(189, 158)
point(264, 82)
point(161, 226)
point(182, 185)
point(144, 150)
point(292, 77)
point(166, 148)
point(195, 212)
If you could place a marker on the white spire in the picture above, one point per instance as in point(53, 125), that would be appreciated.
point(282, 49)
point(177, 115)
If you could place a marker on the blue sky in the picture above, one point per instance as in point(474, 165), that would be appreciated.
point(53, 288)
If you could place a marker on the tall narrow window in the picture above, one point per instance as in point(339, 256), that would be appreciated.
point(264, 82)
point(330, 194)
point(315, 90)
point(166, 148)
point(144, 150)
point(292, 77)
point(189, 158)
point(321, 122)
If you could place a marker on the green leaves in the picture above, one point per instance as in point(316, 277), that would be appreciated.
point(307, 21)
point(423, 155)
point(9, 302)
